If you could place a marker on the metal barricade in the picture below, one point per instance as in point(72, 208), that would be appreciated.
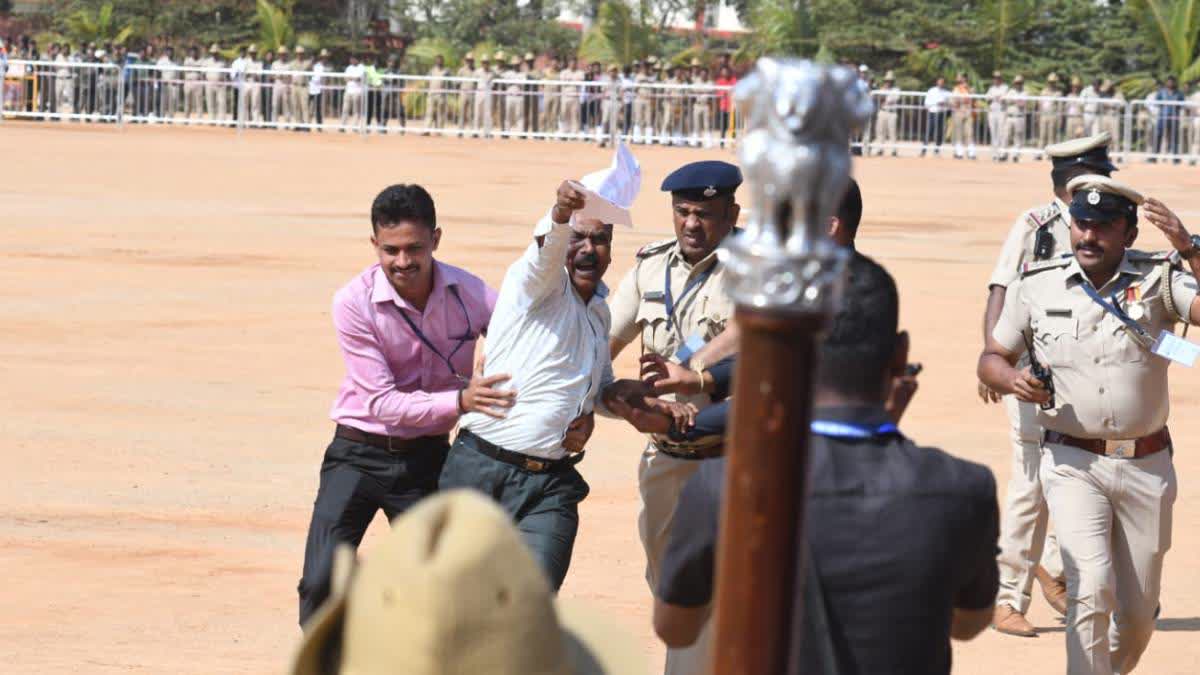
point(599, 111)
point(1016, 125)
point(1165, 131)
point(62, 91)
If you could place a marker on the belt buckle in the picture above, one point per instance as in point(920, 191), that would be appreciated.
point(535, 465)
point(1120, 449)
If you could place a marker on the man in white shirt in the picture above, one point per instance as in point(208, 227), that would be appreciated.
point(550, 331)
point(937, 105)
point(352, 101)
point(170, 89)
point(316, 88)
point(237, 75)
point(996, 123)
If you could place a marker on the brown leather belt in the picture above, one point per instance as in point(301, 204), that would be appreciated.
point(1136, 448)
point(390, 443)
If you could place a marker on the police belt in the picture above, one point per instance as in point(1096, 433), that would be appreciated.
point(1135, 448)
point(517, 459)
point(689, 450)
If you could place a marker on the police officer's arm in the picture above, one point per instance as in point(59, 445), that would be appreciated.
point(1005, 274)
point(1182, 289)
point(997, 363)
point(624, 305)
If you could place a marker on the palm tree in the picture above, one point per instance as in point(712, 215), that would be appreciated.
point(1177, 24)
point(83, 26)
point(617, 36)
point(779, 27)
point(274, 26)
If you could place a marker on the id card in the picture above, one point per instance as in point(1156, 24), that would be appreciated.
point(1171, 346)
point(693, 345)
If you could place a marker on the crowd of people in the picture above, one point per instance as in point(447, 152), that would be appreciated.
point(537, 95)
point(1077, 343)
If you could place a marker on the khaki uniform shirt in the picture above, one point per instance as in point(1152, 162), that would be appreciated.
point(1018, 247)
point(466, 87)
point(278, 68)
point(1074, 105)
point(1014, 100)
point(1108, 385)
point(642, 90)
point(190, 62)
point(214, 63)
point(550, 90)
point(890, 98)
point(437, 78)
point(304, 65)
point(513, 89)
point(1048, 106)
point(639, 306)
point(995, 96)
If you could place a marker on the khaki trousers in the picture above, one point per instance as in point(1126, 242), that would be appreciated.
point(193, 98)
point(435, 111)
point(482, 110)
point(962, 131)
point(660, 481)
point(466, 109)
point(551, 113)
point(300, 110)
point(885, 127)
point(1114, 523)
point(1195, 136)
point(641, 115)
point(666, 120)
point(570, 114)
point(1024, 528)
point(1047, 129)
point(1014, 131)
point(352, 107)
point(254, 102)
point(214, 95)
point(1075, 126)
point(514, 113)
point(281, 103)
point(1112, 124)
point(997, 129)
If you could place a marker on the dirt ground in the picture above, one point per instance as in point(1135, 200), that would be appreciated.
point(169, 364)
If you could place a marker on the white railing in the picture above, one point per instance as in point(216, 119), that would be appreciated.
point(971, 126)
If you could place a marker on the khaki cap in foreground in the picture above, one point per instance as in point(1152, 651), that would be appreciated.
point(453, 589)
point(1102, 198)
point(1090, 151)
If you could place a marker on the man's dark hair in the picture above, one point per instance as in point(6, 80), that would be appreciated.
point(862, 337)
point(403, 203)
point(849, 212)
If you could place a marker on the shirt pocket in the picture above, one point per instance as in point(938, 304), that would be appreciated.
point(1055, 339)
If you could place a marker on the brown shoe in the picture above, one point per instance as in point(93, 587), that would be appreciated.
point(1054, 589)
point(1011, 622)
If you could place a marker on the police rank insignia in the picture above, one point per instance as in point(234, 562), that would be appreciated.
point(1093, 197)
point(710, 191)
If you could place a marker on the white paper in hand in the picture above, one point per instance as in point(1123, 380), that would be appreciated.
point(609, 193)
point(601, 209)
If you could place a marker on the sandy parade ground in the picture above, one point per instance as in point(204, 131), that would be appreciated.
point(169, 363)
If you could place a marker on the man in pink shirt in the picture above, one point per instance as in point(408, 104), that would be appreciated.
point(407, 328)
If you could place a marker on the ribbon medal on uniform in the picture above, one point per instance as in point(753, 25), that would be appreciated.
point(1137, 311)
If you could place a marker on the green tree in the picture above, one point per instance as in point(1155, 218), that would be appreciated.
point(617, 36)
point(86, 26)
point(274, 25)
point(1176, 25)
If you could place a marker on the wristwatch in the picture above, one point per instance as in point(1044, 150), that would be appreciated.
point(1194, 250)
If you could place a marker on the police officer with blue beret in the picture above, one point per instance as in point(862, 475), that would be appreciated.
point(674, 301)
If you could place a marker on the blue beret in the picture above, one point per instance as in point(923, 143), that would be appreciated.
point(703, 180)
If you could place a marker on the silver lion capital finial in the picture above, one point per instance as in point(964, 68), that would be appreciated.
point(795, 153)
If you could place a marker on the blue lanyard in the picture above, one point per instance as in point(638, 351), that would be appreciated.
point(844, 430)
point(1114, 308)
point(692, 284)
point(462, 339)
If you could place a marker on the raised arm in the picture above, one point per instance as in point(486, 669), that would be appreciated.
point(542, 269)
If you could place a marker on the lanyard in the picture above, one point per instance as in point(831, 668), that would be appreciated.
point(1113, 307)
point(692, 284)
point(462, 339)
point(845, 430)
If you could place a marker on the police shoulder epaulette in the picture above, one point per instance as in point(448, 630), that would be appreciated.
point(1043, 214)
point(655, 248)
point(1038, 265)
point(1151, 256)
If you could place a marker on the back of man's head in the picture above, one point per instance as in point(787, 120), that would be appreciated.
point(860, 344)
point(849, 213)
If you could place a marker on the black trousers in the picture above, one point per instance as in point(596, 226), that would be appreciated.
point(357, 480)
point(543, 506)
point(935, 128)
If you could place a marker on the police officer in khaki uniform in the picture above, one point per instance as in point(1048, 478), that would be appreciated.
point(570, 113)
point(668, 108)
point(1041, 233)
point(483, 96)
point(514, 97)
point(1092, 320)
point(1049, 108)
point(466, 93)
point(674, 300)
point(1016, 104)
point(302, 65)
point(643, 101)
point(551, 98)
